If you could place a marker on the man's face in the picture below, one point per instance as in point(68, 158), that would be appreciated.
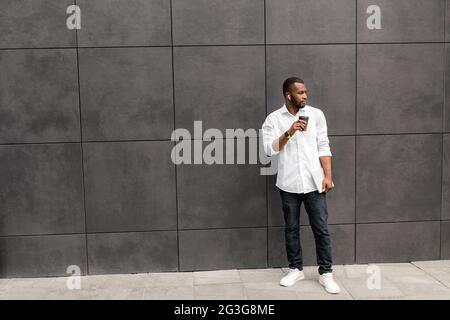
point(298, 94)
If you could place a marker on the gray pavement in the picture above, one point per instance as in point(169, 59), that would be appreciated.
point(416, 280)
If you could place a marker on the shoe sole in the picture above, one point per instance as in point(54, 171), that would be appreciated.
point(291, 284)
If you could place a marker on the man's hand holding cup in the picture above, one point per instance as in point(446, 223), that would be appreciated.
point(299, 125)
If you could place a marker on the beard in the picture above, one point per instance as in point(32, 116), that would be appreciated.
point(296, 103)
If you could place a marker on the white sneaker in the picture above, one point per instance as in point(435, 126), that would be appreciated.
point(292, 277)
point(328, 282)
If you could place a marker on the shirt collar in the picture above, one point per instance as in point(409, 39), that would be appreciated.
point(300, 111)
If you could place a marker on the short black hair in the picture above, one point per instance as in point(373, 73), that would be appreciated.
point(287, 83)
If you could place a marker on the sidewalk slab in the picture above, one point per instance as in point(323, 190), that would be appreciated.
point(359, 289)
point(172, 279)
point(399, 269)
point(216, 277)
point(261, 275)
point(115, 281)
point(227, 291)
point(343, 295)
point(424, 286)
point(169, 293)
point(258, 294)
point(432, 264)
point(440, 270)
point(356, 270)
point(274, 286)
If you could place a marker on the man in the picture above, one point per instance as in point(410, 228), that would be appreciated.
point(303, 146)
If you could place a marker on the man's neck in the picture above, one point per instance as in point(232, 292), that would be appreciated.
point(292, 109)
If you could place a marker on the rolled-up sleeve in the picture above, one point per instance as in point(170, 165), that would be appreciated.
point(323, 144)
point(269, 135)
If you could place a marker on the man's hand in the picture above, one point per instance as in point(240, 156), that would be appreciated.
point(327, 184)
point(299, 125)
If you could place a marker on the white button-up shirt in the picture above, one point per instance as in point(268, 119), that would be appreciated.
point(302, 151)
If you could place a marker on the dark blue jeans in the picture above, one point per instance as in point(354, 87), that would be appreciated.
point(316, 208)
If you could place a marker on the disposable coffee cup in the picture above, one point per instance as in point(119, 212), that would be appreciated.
point(304, 118)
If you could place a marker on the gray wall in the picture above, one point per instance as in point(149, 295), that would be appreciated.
point(86, 119)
